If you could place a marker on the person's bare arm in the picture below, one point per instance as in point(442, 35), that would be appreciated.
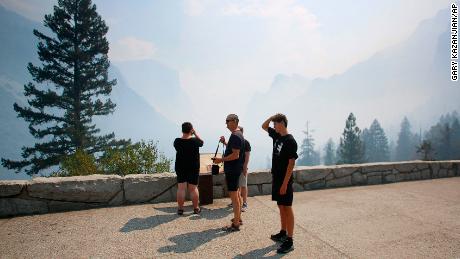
point(233, 156)
point(197, 136)
point(266, 123)
point(246, 162)
point(289, 169)
point(222, 139)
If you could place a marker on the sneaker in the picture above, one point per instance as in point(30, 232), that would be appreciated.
point(286, 247)
point(244, 207)
point(231, 228)
point(280, 237)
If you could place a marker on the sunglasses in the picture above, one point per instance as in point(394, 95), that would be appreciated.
point(227, 121)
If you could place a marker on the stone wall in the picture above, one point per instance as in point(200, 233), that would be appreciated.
point(44, 195)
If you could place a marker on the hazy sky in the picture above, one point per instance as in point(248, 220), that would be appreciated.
point(234, 49)
point(243, 44)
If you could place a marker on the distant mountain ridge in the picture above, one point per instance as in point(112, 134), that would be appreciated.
point(133, 117)
point(411, 78)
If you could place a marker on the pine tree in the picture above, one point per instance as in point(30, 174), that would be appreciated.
point(71, 87)
point(425, 149)
point(405, 148)
point(366, 139)
point(351, 149)
point(445, 137)
point(456, 138)
point(375, 143)
point(329, 150)
point(308, 155)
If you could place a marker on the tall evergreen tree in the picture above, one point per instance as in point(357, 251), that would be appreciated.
point(330, 153)
point(308, 155)
point(445, 137)
point(71, 87)
point(375, 143)
point(406, 145)
point(425, 150)
point(456, 138)
point(351, 149)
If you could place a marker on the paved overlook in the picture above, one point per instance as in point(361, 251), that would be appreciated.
point(417, 219)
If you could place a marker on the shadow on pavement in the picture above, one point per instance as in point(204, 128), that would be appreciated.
point(213, 214)
point(147, 223)
point(152, 221)
point(209, 214)
point(261, 253)
point(190, 241)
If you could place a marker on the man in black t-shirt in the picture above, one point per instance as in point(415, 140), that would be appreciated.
point(233, 165)
point(243, 184)
point(187, 166)
point(283, 161)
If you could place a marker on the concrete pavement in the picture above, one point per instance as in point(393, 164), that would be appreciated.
point(404, 220)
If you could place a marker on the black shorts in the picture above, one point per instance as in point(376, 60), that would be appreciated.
point(286, 199)
point(188, 177)
point(233, 180)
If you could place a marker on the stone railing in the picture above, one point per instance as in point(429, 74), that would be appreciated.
point(43, 195)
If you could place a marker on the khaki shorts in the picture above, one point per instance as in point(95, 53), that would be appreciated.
point(243, 180)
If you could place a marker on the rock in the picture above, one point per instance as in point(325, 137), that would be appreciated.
point(92, 188)
point(117, 200)
point(446, 165)
point(307, 176)
point(390, 178)
point(266, 189)
point(358, 179)
point(426, 174)
point(415, 176)
point(259, 178)
point(297, 187)
point(59, 206)
point(385, 173)
point(16, 206)
point(372, 174)
point(399, 177)
point(422, 165)
point(404, 167)
point(218, 179)
point(168, 196)
point(11, 188)
point(377, 179)
point(340, 182)
point(344, 170)
point(435, 169)
point(320, 184)
point(218, 192)
point(380, 167)
point(144, 187)
point(253, 190)
point(442, 173)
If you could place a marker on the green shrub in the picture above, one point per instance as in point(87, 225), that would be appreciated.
point(139, 158)
point(79, 163)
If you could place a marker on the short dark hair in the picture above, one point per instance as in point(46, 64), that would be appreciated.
point(187, 127)
point(280, 118)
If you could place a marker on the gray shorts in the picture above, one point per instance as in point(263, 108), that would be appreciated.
point(243, 181)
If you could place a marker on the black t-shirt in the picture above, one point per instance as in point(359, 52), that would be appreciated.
point(247, 148)
point(284, 148)
point(236, 141)
point(187, 154)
